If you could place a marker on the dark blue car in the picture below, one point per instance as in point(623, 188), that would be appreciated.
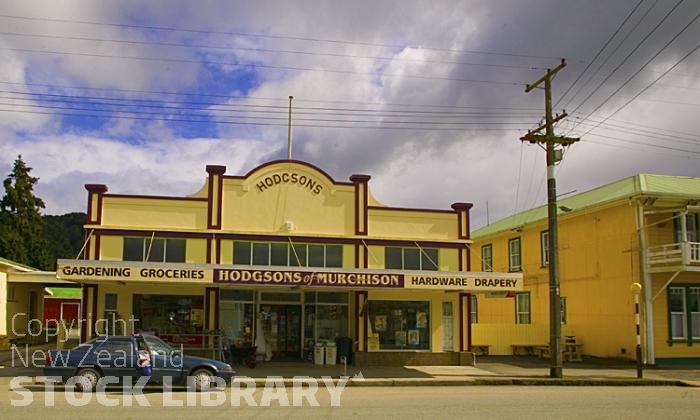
point(133, 356)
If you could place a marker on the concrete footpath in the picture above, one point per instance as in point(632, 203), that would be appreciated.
point(489, 370)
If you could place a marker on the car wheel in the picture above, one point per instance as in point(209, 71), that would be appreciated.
point(87, 379)
point(202, 379)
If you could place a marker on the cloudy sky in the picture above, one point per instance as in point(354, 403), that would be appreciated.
point(427, 97)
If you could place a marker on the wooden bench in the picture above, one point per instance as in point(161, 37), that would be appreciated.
point(481, 349)
point(524, 349)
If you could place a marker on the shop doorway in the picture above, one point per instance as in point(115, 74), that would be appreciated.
point(283, 330)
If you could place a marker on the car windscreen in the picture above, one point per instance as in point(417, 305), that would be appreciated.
point(157, 346)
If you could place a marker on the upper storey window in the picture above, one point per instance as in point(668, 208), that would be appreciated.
point(411, 258)
point(285, 254)
point(154, 250)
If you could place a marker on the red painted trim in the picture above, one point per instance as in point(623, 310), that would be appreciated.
point(217, 243)
point(99, 190)
point(95, 315)
point(357, 316)
point(460, 257)
point(210, 201)
point(209, 250)
point(155, 197)
point(461, 323)
point(84, 313)
point(216, 307)
point(357, 255)
point(220, 206)
point(365, 317)
point(365, 208)
point(361, 205)
point(365, 252)
point(298, 162)
point(98, 245)
point(88, 291)
point(278, 238)
point(207, 308)
point(157, 234)
point(409, 209)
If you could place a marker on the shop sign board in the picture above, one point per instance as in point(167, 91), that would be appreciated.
point(86, 270)
point(128, 271)
point(473, 281)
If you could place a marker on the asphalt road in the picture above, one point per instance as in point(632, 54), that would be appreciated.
point(473, 402)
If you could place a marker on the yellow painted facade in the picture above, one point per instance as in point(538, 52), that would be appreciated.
point(607, 241)
point(284, 249)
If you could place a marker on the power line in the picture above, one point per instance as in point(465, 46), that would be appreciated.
point(266, 50)
point(268, 109)
point(211, 121)
point(658, 25)
point(213, 95)
point(263, 66)
point(251, 35)
point(655, 80)
point(590, 63)
point(142, 112)
point(610, 55)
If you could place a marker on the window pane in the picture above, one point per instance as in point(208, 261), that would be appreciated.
point(110, 301)
point(297, 255)
point(411, 258)
point(393, 258)
point(675, 301)
point(155, 250)
point(677, 326)
point(241, 253)
point(133, 249)
point(334, 256)
point(261, 254)
point(316, 257)
point(278, 254)
point(241, 295)
point(175, 250)
point(398, 325)
point(486, 258)
point(429, 259)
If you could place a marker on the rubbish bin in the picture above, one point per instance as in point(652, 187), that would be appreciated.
point(318, 354)
point(331, 353)
point(344, 349)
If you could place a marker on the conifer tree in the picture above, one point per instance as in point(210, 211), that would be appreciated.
point(21, 224)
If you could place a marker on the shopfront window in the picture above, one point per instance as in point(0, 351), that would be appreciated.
point(326, 316)
point(163, 314)
point(237, 316)
point(398, 325)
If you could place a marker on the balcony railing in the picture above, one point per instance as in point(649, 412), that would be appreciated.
point(680, 256)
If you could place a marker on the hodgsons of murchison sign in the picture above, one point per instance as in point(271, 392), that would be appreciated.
point(86, 270)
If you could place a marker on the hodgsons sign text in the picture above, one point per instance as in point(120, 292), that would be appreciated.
point(302, 278)
point(305, 181)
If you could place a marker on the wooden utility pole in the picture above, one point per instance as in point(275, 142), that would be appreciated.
point(553, 156)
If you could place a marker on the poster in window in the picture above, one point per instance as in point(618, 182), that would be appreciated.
point(413, 337)
point(421, 320)
point(380, 323)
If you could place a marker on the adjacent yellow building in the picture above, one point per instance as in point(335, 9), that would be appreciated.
point(284, 259)
point(643, 229)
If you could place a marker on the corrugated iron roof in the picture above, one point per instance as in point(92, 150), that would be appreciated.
point(658, 186)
